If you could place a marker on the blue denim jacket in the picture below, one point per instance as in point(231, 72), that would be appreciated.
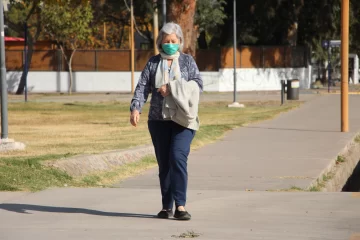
point(146, 84)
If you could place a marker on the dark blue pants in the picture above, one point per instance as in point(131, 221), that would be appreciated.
point(172, 147)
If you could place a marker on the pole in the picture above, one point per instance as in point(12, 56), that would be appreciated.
point(4, 113)
point(282, 91)
point(235, 48)
point(104, 37)
point(235, 103)
point(26, 60)
point(344, 65)
point(105, 34)
point(329, 67)
point(132, 48)
point(164, 12)
point(156, 26)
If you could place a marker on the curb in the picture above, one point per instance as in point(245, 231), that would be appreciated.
point(337, 174)
point(337, 93)
point(85, 164)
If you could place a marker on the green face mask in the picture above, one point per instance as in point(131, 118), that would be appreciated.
point(170, 48)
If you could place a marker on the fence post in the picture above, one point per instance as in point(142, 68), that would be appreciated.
point(240, 53)
point(219, 58)
point(96, 61)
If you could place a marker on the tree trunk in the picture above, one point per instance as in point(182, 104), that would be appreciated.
point(69, 63)
point(70, 71)
point(30, 51)
point(32, 41)
point(26, 67)
point(182, 13)
point(202, 41)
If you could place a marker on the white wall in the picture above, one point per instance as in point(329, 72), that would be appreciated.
point(250, 79)
point(82, 81)
point(222, 81)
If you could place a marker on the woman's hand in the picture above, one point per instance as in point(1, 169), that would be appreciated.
point(164, 90)
point(134, 117)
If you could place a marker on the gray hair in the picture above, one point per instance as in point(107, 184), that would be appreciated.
point(170, 28)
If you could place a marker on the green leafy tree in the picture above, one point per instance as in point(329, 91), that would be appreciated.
point(68, 24)
point(316, 26)
point(209, 17)
point(263, 22)
point(355, 26)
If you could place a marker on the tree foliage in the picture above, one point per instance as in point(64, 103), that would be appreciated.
point(207, 22)
point(290, 22)
point(317, 26)
point(355, 26)
point(68, 24)
point(209, 17)
point(263, 22)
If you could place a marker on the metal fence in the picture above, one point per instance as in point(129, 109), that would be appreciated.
point(120, 60)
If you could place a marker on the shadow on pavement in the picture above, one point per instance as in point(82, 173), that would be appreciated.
point(23, 208)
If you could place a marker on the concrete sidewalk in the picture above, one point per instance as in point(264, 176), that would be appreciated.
point(290, 150)
point(128, 214)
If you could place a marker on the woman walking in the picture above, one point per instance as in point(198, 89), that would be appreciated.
point(174, 81)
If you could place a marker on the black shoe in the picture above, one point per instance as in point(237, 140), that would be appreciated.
point(182, 215)
point(165, 214)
